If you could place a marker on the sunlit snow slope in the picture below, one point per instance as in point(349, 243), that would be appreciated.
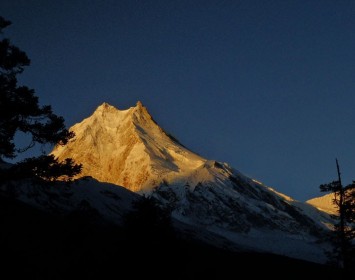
point(324, 203)
point(126, 147)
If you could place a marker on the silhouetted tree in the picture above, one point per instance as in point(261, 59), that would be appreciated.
point(21, 112)
point(45, 167)
point(344, 199)
point(149, 227)
point(149, 217)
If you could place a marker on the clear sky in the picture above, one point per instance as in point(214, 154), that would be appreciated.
point(266, 86)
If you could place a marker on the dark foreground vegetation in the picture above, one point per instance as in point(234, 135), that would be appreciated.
point(38, 245)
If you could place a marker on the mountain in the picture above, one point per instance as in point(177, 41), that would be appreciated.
point(128, 148)
point(324, 203)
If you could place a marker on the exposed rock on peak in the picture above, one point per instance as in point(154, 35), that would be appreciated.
point(139, 104)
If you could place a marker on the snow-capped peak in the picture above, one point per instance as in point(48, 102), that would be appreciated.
point(127, 147)
point(105, 106)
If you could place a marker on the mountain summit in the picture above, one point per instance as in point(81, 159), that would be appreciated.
point(128, 148)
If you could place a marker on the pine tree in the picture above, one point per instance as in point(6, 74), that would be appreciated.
point(344, 200)
point(20, 112)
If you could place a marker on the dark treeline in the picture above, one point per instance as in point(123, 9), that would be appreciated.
point(38, 245)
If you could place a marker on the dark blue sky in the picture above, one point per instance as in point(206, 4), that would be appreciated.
point(266, 86)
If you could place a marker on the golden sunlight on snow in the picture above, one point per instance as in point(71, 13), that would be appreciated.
point(127, 148)
point(324, 203)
